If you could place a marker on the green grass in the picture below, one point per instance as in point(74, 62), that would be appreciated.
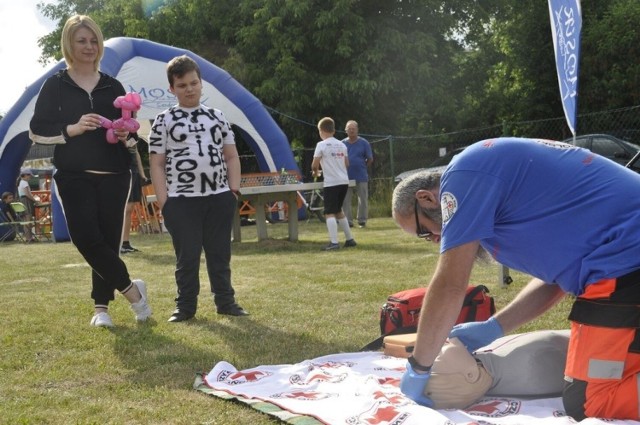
point(304, 303)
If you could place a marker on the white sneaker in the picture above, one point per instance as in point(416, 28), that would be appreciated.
point(141, 308)
point(102, 320)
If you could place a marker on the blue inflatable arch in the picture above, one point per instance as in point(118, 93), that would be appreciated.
point(140, 66)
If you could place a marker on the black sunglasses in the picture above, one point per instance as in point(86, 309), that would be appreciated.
point(420, 232)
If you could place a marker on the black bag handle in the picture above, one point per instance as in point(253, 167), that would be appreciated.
point(391, 314)
point(469, 301)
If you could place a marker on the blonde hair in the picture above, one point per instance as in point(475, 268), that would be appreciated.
point(327, 125)
point(353, 122)
point(66, 40)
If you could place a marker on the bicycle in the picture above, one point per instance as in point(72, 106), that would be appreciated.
point(314, 204)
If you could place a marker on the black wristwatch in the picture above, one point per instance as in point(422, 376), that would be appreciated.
point(235, 192)
point(417, 366)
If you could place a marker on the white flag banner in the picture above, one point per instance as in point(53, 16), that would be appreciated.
point(566, 25)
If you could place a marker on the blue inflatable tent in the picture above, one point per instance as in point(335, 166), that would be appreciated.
point(140, 66)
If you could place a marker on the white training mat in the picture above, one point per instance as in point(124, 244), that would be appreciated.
point(363, 388)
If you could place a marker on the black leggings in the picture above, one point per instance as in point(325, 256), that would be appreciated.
point(94, 207)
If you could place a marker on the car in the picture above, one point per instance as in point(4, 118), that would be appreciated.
point(611, 147)
point(439, 165)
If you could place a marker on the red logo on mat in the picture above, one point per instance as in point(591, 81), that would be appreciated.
point(394, 399)
point(304, 395)
point(386, 380)
point(331, 365)
point(299, 379)
point(379, 414)
point(237, 378)
point(494, 407)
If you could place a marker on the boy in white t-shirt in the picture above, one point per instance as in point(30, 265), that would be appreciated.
point(195, 171)
point(331, 155)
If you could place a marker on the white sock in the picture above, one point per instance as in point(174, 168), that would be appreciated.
point(332, 227)
point(344, 224)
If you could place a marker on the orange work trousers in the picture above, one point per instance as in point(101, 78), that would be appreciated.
point(603, 360)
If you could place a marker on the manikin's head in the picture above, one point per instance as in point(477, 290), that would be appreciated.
point(457, 378)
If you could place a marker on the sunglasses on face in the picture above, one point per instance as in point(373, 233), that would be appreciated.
point(420, 232)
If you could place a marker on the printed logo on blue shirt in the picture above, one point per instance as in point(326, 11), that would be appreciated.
point(449, 206)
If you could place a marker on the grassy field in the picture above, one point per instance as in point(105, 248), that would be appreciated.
point(304, 303)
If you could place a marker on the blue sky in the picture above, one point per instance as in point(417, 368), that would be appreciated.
point(20, 27)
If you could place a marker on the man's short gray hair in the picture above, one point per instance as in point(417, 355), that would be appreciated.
point(404, 194)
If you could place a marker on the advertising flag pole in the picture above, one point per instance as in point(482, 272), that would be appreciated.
point(566, 26)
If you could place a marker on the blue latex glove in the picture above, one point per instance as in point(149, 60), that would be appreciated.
point(475, 335)
point(413, 385)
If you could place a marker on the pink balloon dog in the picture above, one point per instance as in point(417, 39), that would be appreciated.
point(129, 103)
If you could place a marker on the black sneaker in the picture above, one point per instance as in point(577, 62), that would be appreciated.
point(180, 316)
point(362, 224)
point(350, 243)
point(331, 247)
point(124, 249)
point(233, 310)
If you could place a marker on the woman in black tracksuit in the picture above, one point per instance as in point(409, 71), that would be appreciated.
point(92, 176)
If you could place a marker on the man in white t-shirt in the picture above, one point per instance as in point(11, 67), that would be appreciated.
point(331, 155)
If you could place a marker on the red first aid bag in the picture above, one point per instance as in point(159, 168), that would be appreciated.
point(399, 315)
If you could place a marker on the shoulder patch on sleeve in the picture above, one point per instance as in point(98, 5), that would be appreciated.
point(449, 206)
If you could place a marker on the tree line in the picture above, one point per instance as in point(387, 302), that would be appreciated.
point(398, 67)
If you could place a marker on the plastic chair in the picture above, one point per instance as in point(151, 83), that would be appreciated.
point(21, 211)
point(8, 228)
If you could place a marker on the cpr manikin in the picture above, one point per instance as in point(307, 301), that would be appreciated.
point(523, 365)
